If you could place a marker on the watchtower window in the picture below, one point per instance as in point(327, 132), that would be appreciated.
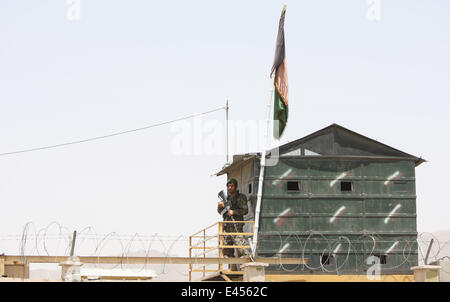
point(346, 186)
point(325, 259)
point(383, 258)
point(400, 186)
point(249, 188)
point(293, 186)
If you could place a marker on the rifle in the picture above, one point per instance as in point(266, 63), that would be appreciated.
point(223, 198)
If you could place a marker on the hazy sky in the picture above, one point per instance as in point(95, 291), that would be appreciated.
point(128, 64)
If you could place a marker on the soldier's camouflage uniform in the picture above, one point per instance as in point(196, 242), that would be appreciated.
point(240, 208)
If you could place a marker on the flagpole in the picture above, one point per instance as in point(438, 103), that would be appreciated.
point(261, 175)
point(279, 60)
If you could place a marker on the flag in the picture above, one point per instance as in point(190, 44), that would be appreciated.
point(280, 109)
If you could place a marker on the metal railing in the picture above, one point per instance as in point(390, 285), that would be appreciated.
point(203, 244)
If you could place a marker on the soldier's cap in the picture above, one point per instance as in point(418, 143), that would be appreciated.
point(232, 181)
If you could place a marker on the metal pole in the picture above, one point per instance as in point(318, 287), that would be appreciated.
point(261, 177)
point(226, 109)
point(73, 243)
point(428, 252)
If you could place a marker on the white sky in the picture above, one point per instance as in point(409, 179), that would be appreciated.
point(127, 64)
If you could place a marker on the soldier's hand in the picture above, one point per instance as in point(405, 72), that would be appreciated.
point(221, 204)
point(230, 212)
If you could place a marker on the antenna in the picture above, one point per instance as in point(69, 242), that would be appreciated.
point(226, 110)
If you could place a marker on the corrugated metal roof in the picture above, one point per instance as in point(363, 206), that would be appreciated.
point(238, 160)
point(337, 140)
point(333, 140)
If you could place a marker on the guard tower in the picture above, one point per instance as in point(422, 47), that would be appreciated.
point(340, 199)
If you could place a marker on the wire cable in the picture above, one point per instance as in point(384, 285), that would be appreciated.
point(110, 135)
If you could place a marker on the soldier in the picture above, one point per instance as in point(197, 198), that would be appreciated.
point(237, 211)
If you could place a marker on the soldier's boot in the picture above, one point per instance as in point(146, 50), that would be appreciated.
point(233, 267)
point(240, 254)
point(229, 265)
point(227, 254)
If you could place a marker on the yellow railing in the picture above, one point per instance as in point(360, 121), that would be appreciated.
point(201, 242)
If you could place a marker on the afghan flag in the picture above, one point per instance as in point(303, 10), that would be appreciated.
point(280, 109)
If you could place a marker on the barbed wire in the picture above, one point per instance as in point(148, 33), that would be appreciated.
point(34, 241)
